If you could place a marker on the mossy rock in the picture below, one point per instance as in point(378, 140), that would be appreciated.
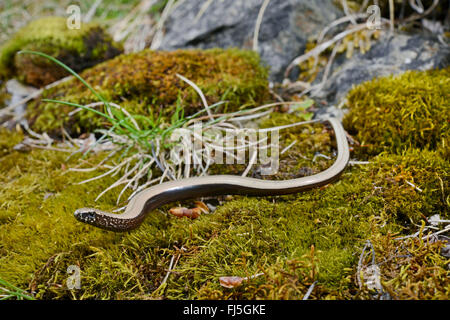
point(146, 83)
point(77, 48)
point(396, 113)
point(295, 239)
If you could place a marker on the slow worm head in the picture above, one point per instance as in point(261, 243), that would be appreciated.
point(153, 197)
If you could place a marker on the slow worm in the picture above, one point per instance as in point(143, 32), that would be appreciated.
point(153, 197)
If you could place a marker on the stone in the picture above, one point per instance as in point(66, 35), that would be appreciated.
point(390, 55)
point(285, 27)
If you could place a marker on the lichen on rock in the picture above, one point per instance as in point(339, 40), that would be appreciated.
point(77, 48)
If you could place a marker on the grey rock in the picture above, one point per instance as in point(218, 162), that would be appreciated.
point(391, 55)
point(284, 30)
point(330, 112)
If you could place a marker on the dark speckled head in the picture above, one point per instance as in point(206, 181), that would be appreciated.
point(105, 221)
point(86, 215)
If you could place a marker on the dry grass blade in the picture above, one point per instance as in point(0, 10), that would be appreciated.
point(338, 22)
point(391, 15)
point(363, 255)
point(199, 91)
point(258, 24)
point(136, 29)
point(202, 10)
point(310, 289)
point(157, 38)
point(417, 5)
point(425, 13)
point(347, 11)
point(322, 47)
point(89, 15)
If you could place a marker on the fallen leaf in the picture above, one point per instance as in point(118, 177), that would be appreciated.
point(230, 282)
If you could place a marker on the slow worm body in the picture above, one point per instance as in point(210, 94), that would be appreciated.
point(153, 197)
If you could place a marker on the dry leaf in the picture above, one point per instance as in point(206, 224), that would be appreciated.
point(185, 212)
point(230, 282)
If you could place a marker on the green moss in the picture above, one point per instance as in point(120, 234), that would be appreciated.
point(414, 268)
point(295, 239)
point(414, 185)
point(145, 83)
point(243, 237)
point(8, 141)
point(78, 48)
point(39, 194)
point(396, 113)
